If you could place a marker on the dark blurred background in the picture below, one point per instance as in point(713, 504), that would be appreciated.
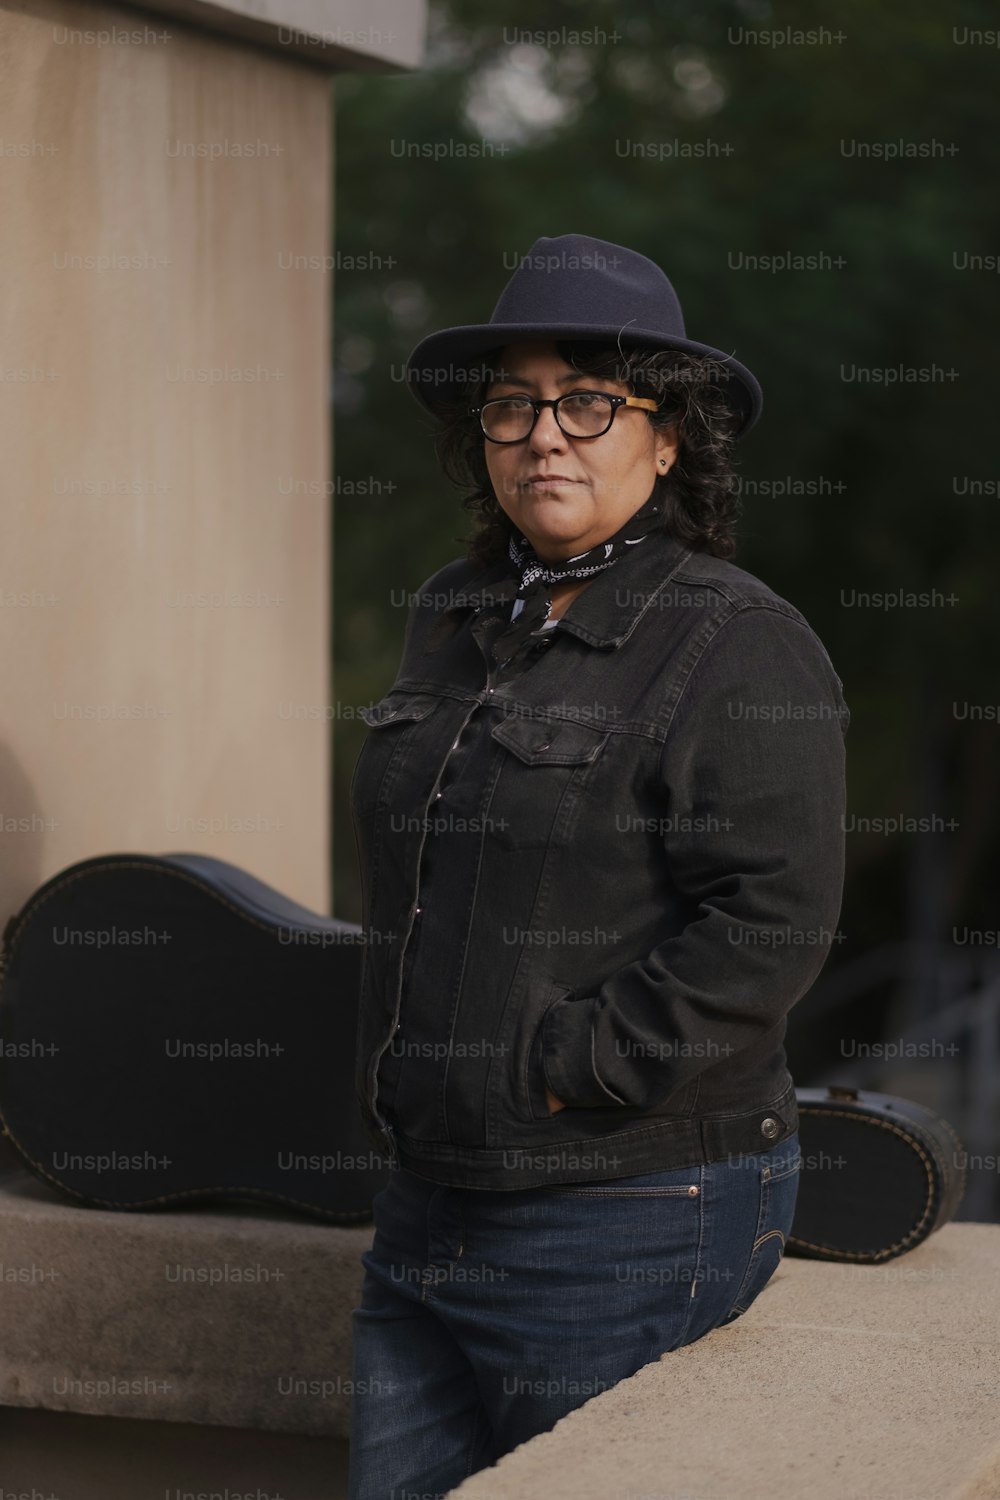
point(858, 140)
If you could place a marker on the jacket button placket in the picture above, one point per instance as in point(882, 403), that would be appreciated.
point(512, 666)
point(422, 884)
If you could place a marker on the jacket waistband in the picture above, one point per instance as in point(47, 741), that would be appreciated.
point(659, 1145)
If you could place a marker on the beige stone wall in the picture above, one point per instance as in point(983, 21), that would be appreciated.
point(164, 602)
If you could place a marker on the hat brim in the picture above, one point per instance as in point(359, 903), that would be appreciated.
point(440, 364)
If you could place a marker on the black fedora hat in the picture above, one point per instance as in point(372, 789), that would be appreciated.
point(575, 287)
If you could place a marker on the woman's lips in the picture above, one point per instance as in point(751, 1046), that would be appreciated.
point(548, 482)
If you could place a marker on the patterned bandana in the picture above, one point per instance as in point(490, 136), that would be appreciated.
point(528, 587)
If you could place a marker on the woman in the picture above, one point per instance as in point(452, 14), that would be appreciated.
point(600, 829)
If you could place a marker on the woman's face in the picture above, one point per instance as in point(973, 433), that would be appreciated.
point(567, 494)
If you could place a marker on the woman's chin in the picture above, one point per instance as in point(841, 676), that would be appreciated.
point(557, 515)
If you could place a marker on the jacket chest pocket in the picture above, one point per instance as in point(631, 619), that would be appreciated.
point(398, 726)
point(546, 768)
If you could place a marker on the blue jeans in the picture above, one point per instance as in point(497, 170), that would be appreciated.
point(486, 1316)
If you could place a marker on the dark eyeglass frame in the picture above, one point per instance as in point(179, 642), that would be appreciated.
point(642, 402)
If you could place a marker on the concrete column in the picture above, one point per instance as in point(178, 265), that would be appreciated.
point(164, 374)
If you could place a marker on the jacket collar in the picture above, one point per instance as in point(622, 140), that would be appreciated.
point(608, 609)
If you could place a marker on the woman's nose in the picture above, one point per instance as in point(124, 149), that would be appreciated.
point(546, 433)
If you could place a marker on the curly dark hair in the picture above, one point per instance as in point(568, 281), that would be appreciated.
point(700, 488)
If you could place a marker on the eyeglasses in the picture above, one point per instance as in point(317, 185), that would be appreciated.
point(579, 414)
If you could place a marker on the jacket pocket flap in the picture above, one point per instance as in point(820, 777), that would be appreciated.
point(399, 704)
point(550, 742)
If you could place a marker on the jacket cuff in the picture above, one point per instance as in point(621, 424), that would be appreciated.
point(567, 1036)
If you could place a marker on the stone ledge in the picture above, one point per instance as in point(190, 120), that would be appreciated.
point(840, 1383)
point(97, 1319)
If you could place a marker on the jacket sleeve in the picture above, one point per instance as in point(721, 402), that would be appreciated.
point(752, 770)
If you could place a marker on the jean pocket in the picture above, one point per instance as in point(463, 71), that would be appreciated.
point(778, 1183)
point(670, 1182)
point(650, 1185)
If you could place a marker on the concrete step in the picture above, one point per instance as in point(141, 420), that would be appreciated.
point(55, 1455)
point(238, 1317)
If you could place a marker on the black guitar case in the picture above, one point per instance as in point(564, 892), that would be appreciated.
point(879, 1174)
point(173, 1030)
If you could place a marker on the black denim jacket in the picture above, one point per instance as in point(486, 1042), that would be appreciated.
point(636, 834)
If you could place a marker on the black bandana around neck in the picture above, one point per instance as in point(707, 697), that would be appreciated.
point(529, 584)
